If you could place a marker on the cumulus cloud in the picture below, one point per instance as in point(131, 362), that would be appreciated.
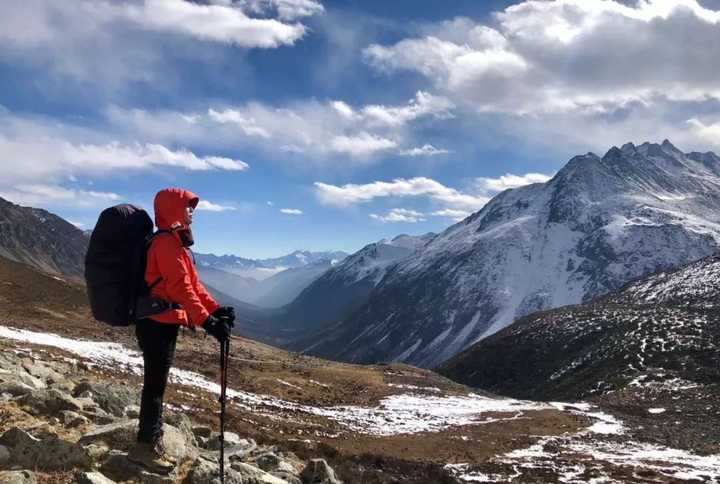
point(510, 181)
point(285, 9)
point(400, 215)
point(578, 56)
point(456, 204)
point(361, 144)
point(291, 211)
point(110, 45)
point(350, 194)
point(424, 150)
point(213, 207)
point(707, 132)
point(318, 129)
point(454, 214)
point(43, 194)
point(54, 152)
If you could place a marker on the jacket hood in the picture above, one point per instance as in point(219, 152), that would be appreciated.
point(170, 205)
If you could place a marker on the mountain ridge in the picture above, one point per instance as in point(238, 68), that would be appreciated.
point(596, 224)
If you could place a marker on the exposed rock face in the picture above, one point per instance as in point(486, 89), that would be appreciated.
point(319, 472)
point(90, 434)
point(41, 239)
point(599, 223)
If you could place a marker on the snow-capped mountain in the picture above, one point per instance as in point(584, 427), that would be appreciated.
point(41, 239)
point(342, 288)
point(260, 269)
point(656, 339)
point(600, 222)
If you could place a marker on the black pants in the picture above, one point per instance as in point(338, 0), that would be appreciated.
point(157, 342)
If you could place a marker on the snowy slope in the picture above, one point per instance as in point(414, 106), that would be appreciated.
point(341, 289)
point(597, 224)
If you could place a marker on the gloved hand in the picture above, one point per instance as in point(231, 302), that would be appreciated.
point(217, 328)
point(226, 313)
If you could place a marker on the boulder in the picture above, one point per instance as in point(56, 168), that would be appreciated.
point(132, 411)
point(252, 475)
point(96, 452)
point(15, 388)
point(92, 478)
point(29, 380)
point(17, 477)
point(118, 435)
point(111, 398)
point(72, 419)
point(234, 445)
point(202, 431)
point(4, 456)
point(117, 466)
point(317, 471)
point(48, 402)
point(50, 453)
point(206, 472)
point(41, 371)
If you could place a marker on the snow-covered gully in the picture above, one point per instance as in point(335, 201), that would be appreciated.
point(595, 449)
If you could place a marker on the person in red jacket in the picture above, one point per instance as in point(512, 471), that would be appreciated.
point(171, 274)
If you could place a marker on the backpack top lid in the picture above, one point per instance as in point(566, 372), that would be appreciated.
point(112, 262)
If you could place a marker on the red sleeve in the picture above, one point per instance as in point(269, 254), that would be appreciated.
point(206, 299)
point(173, 267)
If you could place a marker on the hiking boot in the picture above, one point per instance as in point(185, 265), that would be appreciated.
point(151, 457)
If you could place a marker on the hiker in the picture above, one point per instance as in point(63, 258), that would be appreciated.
point(171, 274)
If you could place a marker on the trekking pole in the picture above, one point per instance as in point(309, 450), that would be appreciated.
point(224, 356)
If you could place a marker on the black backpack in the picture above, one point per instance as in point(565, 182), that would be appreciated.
point(115, 267)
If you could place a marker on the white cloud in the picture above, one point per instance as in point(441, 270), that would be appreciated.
point(106, 46)
point(286, 9)
point(219, 23)
point(361, 144)
point(54, 152)
point(456, 215)
point(34, 195)
point(510, 181)
point(270, 204)
point(400, 215)
point(213, 207)
point(413, 187)
point(567, 56)
point(320, 130)
point(291, 211)
point(424, 150)
point(710, 133)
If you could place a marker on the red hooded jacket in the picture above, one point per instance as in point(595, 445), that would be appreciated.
point(169, 260)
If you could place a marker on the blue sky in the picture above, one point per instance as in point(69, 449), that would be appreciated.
point(325, 125)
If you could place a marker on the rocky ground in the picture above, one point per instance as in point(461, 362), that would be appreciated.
point(69, 390)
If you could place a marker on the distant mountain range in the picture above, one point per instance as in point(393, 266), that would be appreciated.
point(42, 240)
point(337, 292)
point(270, 282)
point(260, 269)
point(600, 222)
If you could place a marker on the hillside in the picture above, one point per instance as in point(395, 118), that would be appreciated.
point(599, 223)
point(42, 239)
point(654, 343)
point(380, 423)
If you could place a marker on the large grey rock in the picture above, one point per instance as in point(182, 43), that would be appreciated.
point(178, 444)
point(15, 388)
point(41, 371)
point(235, 446)
point(17, 477)
point(50, 453)
point(111, 398)
point(132, 411)
point(92, 478)
point(4, 455)
point(29, 380)
point(317, 471)
point(119, 435)
point(48, 402)
point(72, 419)
point(252, 475)
point(206, 472)
point(117, 466)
